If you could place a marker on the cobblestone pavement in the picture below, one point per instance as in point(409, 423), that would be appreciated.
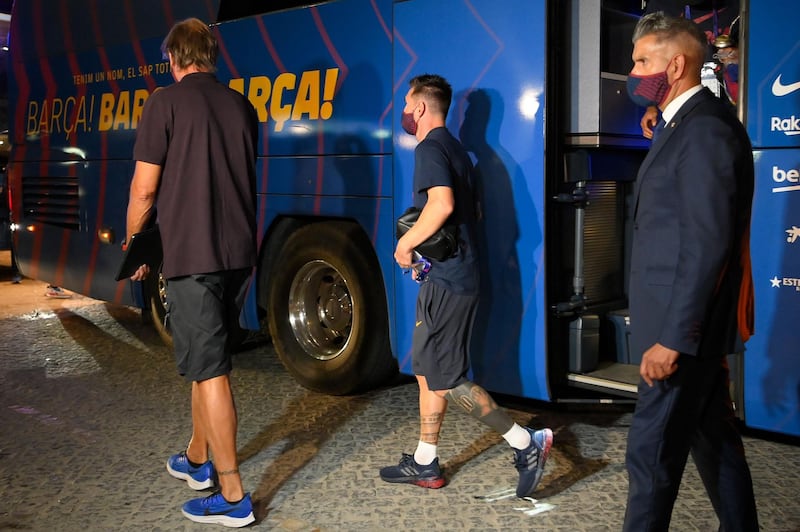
point(91, 406)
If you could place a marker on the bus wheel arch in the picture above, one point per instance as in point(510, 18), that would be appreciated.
point(327, 310)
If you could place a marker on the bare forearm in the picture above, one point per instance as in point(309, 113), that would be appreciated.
point(139, 211)
point(142, 197)
point(438, 207)
point(437, 210)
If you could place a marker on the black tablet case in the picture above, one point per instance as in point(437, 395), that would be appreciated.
point(144, 248)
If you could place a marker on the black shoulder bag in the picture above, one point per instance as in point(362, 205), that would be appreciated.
point(442, 245)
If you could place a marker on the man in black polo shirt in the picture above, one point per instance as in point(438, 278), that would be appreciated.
point(195, 157)
point(448, 298)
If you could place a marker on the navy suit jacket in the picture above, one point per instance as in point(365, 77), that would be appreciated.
point(690, 252)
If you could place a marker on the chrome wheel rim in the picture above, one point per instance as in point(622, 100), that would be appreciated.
point(320, 310)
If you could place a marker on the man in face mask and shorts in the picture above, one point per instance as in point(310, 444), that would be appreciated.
point(448, 299)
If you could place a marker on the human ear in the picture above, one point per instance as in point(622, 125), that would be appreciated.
point(678, 66)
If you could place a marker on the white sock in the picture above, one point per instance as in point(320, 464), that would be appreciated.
point(517, 437)
point(425, 453)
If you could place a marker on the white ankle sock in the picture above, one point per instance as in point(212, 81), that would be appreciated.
point(517, 437)
point(425, 453)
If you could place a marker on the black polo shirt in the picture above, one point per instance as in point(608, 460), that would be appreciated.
point(204, 136)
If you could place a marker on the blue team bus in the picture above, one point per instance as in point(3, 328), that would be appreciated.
point(539, 102)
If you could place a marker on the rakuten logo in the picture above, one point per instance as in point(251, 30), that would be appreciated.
point(780, 175)
point(788, 126)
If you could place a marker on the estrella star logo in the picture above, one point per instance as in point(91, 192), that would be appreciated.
point(793, 233)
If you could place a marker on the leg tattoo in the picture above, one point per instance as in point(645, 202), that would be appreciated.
point(479, 404)
point(429, 427)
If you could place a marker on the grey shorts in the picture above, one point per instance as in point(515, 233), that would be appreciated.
point(440, 345)
point(201, 310)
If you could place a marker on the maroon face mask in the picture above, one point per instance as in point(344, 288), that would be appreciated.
point(408, 124)
point(648, 90)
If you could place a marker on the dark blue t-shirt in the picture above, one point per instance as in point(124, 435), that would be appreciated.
point(440, 160)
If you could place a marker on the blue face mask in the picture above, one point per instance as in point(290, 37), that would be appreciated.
point(648, 91)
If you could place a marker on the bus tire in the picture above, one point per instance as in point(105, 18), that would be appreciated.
point(156, 290)
point(327, 310)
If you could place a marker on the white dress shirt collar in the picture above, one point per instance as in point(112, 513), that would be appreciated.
point(672, 108)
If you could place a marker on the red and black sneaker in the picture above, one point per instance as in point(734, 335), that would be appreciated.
point(408, 471)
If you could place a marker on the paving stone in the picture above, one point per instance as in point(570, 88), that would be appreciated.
point(91, 407)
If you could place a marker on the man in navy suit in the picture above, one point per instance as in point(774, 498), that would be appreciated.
point(690, 284)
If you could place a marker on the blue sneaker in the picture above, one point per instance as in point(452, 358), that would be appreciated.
point(215, 509)
point(408, 471)
point(530, 461)
point(198, 478)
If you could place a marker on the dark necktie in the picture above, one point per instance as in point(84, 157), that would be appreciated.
point(658, 129)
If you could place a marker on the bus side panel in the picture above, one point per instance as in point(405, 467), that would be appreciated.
point(318, 77)
point(320, 81)
point(63, 206)
point(78, 69)
point(73, 141)
point(772, 366)
point(80, 74)
point(84, 106)
point(772, 370)
point(53, 27)
point(493, 54)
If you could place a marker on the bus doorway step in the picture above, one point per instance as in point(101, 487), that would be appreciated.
point(610, 377)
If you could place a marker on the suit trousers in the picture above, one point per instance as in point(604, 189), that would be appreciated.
point(691, 411)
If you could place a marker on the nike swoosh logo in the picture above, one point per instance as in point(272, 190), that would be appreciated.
point(779, 89)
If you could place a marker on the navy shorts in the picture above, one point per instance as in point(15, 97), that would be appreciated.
point(201, 309)
point(443, 326)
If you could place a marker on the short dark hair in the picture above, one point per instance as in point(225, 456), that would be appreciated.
point(191, 42)
point(669, 28)
point(435, 89)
